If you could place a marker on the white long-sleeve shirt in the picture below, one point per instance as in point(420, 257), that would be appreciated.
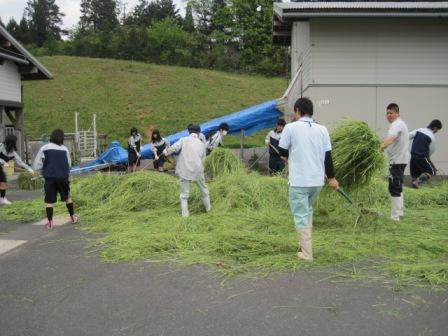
point(5, 157)
point(215, 141)
point(189, 165)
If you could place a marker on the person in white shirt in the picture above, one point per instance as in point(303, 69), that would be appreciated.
point(397, 144)
point(158, 145)
point(423, 146)
point(276, 161)
point(8, 152)
point(308, 148)
point(217, 138)
point(134, 146)
point(190, 167)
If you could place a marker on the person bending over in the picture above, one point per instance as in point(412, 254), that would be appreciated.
point(423, 146)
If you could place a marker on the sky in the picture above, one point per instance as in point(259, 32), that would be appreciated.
point(14, 9)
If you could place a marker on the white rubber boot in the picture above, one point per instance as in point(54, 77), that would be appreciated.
point(395, 203)
point(184, 208)
point(4, 201)
point(207, 205)
point(306, 244)
point(401, 209)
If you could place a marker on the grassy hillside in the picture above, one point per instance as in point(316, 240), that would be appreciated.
point(125, 94)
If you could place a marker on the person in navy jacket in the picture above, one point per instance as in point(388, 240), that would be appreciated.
point(423, 146)
point(54, 161)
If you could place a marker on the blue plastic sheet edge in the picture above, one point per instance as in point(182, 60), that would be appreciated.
point(251, 120)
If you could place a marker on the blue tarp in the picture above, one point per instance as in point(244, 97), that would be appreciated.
point(251, 120)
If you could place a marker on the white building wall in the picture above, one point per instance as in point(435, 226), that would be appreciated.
point(10, 84)
point(379, 51)
point(301, 51)
point(418, 106)
point(355, 68)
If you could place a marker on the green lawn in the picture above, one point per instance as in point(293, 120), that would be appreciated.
point(125, 94)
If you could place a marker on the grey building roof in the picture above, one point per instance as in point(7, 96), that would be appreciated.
point(286, 13)
point(30, 68)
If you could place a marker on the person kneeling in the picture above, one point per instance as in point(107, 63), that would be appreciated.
point(190, 167)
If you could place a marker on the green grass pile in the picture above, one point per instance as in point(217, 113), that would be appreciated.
point(250, 228)
point(222, 162)
point(356, 153)
point(28, 181)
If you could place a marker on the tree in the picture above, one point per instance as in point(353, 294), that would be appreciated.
point(44, 21)
point(23, 34)
point(170, 44)
point(251, 27)
point(98, 15)
point(12, 27)
point(188, 20)
point(147, 13)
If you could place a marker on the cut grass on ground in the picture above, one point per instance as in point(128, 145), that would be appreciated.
point(250, 229)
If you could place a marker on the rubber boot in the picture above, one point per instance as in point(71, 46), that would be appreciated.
point(423, 179)
point(395, 205)
point(207, 205)
point(401, 211)
point(306, 244)
point(184, 208)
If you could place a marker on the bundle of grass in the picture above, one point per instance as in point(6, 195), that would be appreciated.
point(28, 181)
point(356, 153)
point(222, 161)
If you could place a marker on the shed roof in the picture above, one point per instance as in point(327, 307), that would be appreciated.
point(286, 13)
point(30, 68)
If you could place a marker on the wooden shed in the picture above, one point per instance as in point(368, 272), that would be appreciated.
point(16, 65)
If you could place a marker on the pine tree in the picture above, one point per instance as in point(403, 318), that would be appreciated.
point(44, 20)
point(24, 31)
point(98, 15)
point(188, 20)
point(147, 13)
point(12, 27)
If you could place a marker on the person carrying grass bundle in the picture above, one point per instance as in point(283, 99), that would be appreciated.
point(190, 167)
point(8, 152)
point(276, 161)
point(134, 144)
point(54, 161)
point(422, 168)
point(158, 145)
point(308, 148)
point(396, 142)
point(217, 138)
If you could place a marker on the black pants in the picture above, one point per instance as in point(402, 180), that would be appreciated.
point(158, 163)
point(421, 165)
point(396, 179)
point(2, 175)
point(276, 164)
point(53, 188)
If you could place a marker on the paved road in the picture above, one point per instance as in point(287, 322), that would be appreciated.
point(53, 284)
